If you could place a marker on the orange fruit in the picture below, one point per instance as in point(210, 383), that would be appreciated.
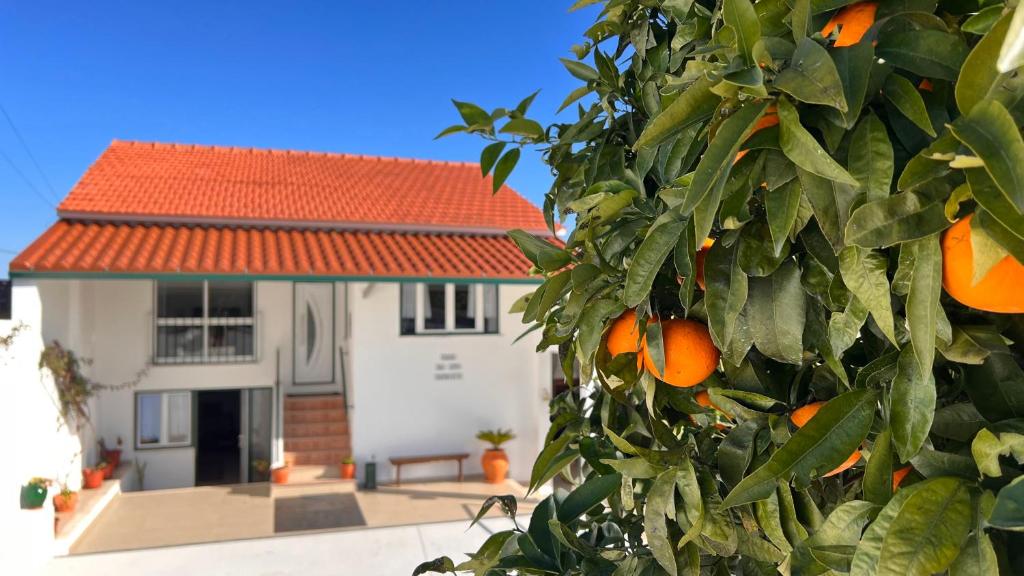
point(704, 399)
point(802, 415)
point(690, 355)
point(770, 118)
point(853, 21)
point(699, 261)
point(999, 291)
point(899, 475)
point(623, 336)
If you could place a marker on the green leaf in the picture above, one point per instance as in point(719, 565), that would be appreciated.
point(649, 259)
point(781, 208)
point(726, 292)
point(958, 421)
point(525, 103)
point(977, 556)
point(543, 254)
point(834, 541)
point(918, 533)
point(441, 565)
point(661, 502)
point(998, 207)
point(832, 202)
point(694, 105)
point(592, 322)
point(896, 219)
point(508, 507)
point(971, 344)
point(740, 16)
point(489, 156)
point(1011, 55)
point(913, 404)
point(987, 448)
point(580, 70)
point(864, 273)
point(555, 456)
point(1009, 239)
point(812, 77)
point(923, 299)
point(878, 472)
point(453, 129)
point(714, 165)
point(854, 67)
point(928, 53)
point(800, 147)
point(871, 158)
point(814, 450)
point(996, 387)
point(776, 314)
point(979, 74)
point(905, 97)
point(982, 22)
point(472, 114)
point(634, 467)
point(504, 168)
point(587, 495)
point(991, 133)
point(736, 452)
point(757, 254)
point(1008, 513)
point(523, 127)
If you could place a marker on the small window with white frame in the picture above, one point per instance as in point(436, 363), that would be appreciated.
point(204, 321)
point(163, 419)
point(436, 308)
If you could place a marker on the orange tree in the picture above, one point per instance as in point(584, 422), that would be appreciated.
point(846, 161)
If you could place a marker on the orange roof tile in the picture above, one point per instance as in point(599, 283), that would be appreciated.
point(77, 246)
point(137, 181)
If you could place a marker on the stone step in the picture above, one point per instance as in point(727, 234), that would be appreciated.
point(320, 457)
point(319, 474)
point(306, 416)
point(316, 443)
point(325, 402)
point(302, 430)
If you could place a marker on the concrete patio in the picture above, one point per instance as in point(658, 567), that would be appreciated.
point(388, 550)
point(160, 518)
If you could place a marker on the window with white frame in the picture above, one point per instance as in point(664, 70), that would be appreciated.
point(163, 419)
point(204, 322)
point(449, 308)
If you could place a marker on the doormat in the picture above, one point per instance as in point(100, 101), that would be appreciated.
point(317, 512)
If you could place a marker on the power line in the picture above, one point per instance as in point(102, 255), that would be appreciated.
point(27, 181)
point(28, 151)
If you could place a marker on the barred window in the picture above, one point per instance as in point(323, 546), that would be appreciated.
point(204, 322)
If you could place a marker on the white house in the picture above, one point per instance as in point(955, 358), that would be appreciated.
point(287, 306)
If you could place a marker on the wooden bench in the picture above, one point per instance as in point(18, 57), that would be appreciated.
point(402, 460)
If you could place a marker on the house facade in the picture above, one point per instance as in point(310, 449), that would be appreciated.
point(254, 306)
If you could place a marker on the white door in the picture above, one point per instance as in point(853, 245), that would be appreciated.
point(314, 332)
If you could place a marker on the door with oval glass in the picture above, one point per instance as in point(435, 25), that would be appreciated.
point(314, 332)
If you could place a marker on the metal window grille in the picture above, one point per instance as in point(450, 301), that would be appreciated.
point(205, 339)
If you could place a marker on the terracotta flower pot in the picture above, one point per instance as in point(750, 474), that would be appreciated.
point(92, 478)
point(348, 471)
point(108, 472)
point(62, 503)
point(113, 458)
point(279, 475)
point(495, 464)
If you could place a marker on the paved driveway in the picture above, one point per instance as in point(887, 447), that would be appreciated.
point(388, 551)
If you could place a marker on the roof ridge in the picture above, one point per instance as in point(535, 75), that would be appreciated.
point(283, 151)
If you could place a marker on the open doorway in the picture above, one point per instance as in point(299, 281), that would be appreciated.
point(218, 430)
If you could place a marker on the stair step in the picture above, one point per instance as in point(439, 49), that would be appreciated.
point(316, 443)
point(321, 457)
point(302, 430)
point(305, 416)
point(333, 402)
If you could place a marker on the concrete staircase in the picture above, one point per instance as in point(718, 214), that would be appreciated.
point(316, 432)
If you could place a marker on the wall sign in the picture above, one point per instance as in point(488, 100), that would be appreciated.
point(447, 367)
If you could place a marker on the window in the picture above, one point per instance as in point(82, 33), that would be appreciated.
point(163, 419)
point(449, 308)
point(204, 322)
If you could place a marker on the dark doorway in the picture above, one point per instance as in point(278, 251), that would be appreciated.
point(218, 425)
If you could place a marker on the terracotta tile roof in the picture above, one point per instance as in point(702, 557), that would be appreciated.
point(188, 184)
point(76, 246)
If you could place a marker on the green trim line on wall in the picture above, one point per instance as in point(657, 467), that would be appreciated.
point(268, 277)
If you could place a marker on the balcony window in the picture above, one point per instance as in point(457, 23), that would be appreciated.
point(200, 322)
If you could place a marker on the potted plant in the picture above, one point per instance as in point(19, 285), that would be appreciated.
point(262, 468)
point(494, 460)
point(66, 500)
point(279, 474)
point(348, 468)
point(33, 494)
point(111, 455)
point(92, 478)
point(108, 470)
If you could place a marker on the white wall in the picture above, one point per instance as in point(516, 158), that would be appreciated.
point(401, 409)
point(38, 441)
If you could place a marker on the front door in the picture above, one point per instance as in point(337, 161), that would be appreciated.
point(218, 437)
point(314, 332)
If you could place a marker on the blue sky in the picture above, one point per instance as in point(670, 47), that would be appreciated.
point(344, 76)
